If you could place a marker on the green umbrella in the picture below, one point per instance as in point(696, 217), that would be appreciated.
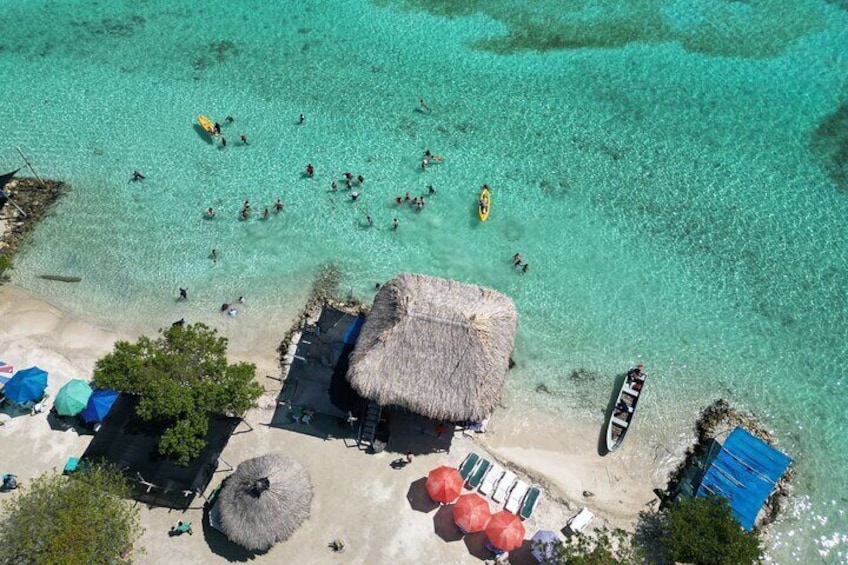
point(72, 398)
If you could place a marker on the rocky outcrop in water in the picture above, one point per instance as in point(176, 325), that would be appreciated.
point(35, 199)
point(718, 419)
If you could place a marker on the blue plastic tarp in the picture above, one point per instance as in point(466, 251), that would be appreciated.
point(26, 385)
point(352, 332)
point(744, 472)
point(99, 404)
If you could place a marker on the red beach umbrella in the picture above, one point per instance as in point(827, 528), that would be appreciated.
point(471, 513)
point(444, 484)
point(505, 531)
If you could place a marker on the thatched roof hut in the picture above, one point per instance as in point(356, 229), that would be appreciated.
point(264, 501)
point(437, 347)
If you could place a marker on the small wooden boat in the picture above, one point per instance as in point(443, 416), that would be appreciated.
point(624, 409)
point(60, 278)
point(206, 124)
point(485, 204)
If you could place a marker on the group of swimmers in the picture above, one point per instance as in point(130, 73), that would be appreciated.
point(416, 202)
point(231, 309)
point(216, 132)
point(518, 263)
point(428, 158)
point(245, 210)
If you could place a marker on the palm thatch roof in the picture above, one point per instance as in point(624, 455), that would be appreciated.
point(264, 501)
point(437, 347)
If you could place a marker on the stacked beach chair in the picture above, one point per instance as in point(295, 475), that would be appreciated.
point(502, 485)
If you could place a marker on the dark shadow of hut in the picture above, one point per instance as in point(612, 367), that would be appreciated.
point(432, 353)
point(316, 383)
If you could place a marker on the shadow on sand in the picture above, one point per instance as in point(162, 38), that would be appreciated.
point(219, 544)
point(444, 525)
point(418, 498)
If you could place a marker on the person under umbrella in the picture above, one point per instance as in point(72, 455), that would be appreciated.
point(471, 513)
point(27, 385)
point(72, 398)
point(504, 532)
point(444, 484)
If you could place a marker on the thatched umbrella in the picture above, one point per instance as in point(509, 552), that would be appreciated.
point(264, 501)
point(437, 347)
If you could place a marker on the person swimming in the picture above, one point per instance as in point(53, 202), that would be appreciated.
point(210, 213)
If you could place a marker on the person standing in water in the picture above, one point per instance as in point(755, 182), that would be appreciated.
point(395, 224)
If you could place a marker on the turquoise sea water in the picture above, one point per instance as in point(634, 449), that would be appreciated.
point(673, 172)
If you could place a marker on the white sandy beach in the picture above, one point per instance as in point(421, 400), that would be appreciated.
point(380, 512)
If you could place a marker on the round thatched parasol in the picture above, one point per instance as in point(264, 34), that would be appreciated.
point(264, 501)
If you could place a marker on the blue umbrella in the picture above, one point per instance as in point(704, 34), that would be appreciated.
point(99, 404)
point(26, 385)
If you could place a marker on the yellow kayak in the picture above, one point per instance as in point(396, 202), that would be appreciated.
point(485, 204)
point(206, 124)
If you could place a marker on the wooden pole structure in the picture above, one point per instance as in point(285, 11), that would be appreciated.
point(28, 164)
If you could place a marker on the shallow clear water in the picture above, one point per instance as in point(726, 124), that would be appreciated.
point(673, 172)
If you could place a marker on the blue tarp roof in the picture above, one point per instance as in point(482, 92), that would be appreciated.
point(744, 472)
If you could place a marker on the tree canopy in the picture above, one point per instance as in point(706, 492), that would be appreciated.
point(58, 520)
point(602, 548)
point(702, 531)
point(181, 376)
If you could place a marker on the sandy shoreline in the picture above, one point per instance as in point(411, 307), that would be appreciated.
point(358, 497)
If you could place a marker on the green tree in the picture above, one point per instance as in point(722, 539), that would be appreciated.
point(58, 520)
point(181, 376)
point(603, 548)
point(702, 531)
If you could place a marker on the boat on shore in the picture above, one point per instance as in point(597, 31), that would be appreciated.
point(624, 409)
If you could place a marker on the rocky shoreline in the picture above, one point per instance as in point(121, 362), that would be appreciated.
point(35, 199)
point(718, 419)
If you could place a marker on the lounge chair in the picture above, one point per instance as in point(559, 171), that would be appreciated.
point(468, 465)
point(479, 472)
point(490, 482)
point(529, 504)
point(580, 520)
point(516, 497)
point(504, 486)
point(71, 466)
